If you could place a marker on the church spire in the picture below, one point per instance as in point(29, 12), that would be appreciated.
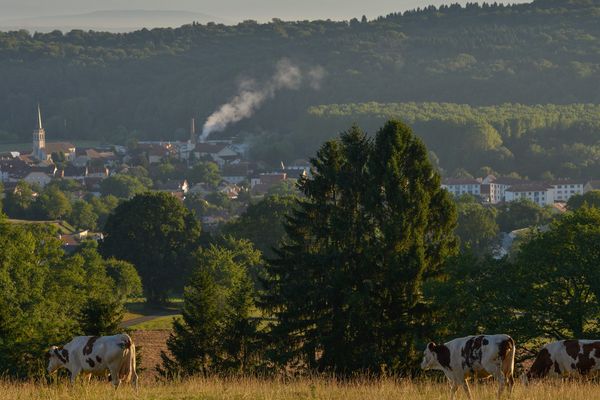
point(39, 118)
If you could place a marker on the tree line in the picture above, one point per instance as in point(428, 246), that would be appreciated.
point(537, 141)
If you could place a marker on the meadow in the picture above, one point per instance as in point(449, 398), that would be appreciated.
point(318, 388)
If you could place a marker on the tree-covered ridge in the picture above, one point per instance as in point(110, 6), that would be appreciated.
point(535, 140)
point(149, 82)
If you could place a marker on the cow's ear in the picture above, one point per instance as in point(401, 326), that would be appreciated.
point(431, 346)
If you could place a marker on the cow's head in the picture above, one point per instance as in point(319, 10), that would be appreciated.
point(429, 357)
point(57, 357)
point(436, 357)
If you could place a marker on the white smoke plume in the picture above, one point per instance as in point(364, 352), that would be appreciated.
point(252, 95)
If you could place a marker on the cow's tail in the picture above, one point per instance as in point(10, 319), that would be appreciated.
point(508, 351)
point(127, 370)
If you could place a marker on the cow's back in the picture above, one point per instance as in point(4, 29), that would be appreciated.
point(481, 355)
point(96, 353)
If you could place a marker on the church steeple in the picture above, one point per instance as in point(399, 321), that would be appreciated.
point(39, 138)
point(39, 118)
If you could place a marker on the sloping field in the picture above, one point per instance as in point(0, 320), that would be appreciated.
point(252, 389)
point(151, 342)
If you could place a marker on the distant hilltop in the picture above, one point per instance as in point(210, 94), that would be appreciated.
point(110, 20)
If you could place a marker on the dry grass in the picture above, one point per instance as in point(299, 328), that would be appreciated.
point(255, 389)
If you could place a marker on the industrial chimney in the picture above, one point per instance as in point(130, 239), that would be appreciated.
point(193, 131)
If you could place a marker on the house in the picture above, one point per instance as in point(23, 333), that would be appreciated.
point(461, 186)
point(70, 242)
point(230, 190)
point(540, 193)
point(157, 151)
point(221, 153)
point(13, 170)
point(72, 172)
point(236, 173)
point(97, 172)
point(87, 157)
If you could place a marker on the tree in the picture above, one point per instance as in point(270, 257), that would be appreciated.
point(218, 199)
point(101, 316)
point(345, 286)
point(475, 295)
point(477, 227)
point(559, 276)
point(205, 172)
point(157, 234)
point(102, 207)
point(284, 188)
point(520, 214)
point(193, 342)
point(46, 297)
point(52, 204)
point(262, 223)
point(591, 199)
point(17, 203)
point(83, 215)
point(217, 333)
point(122, 186)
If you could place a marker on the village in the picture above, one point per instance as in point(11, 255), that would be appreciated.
point(215, 174)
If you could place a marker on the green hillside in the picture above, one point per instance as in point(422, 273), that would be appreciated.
point(148, 83)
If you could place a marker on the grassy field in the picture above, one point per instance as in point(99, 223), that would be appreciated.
point(160, 323)
point(253, 389)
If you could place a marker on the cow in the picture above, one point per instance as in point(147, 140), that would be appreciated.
point(94, 355)
point(566, 358)
point(473, 357)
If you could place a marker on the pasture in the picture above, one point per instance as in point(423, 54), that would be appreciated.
point(256, 389)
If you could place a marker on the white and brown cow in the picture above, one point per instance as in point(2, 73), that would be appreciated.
point(473, 356)
point(95, 355)
point(566, 358)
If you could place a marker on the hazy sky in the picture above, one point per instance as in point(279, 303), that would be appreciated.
point(228, 9)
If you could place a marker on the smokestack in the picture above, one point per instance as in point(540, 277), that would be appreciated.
point(193, 131)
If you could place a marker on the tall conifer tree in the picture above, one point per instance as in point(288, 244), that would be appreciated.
point(346, 285)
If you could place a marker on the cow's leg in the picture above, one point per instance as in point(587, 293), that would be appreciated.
point(74, 374)
point(134, 379)
point(465, 386)
point(114, 377)
point(501, 383)
point(510, 380)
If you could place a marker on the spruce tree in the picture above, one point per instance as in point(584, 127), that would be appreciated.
point(194, 340)
point(345, 287)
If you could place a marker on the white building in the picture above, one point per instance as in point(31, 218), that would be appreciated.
point(565, 189)
point(540, 193)
point(458, 187)
point(498, 187)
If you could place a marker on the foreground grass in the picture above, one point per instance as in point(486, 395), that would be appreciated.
point(254, 389)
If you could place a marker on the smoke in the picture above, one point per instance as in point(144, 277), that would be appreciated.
point(251, 96)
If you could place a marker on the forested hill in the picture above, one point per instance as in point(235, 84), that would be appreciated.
point(149, 83)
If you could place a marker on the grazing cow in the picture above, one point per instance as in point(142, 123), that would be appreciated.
point(94, 355)
point(473, 356)
point(566, 358)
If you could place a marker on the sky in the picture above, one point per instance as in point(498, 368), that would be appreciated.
point(231, 10)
